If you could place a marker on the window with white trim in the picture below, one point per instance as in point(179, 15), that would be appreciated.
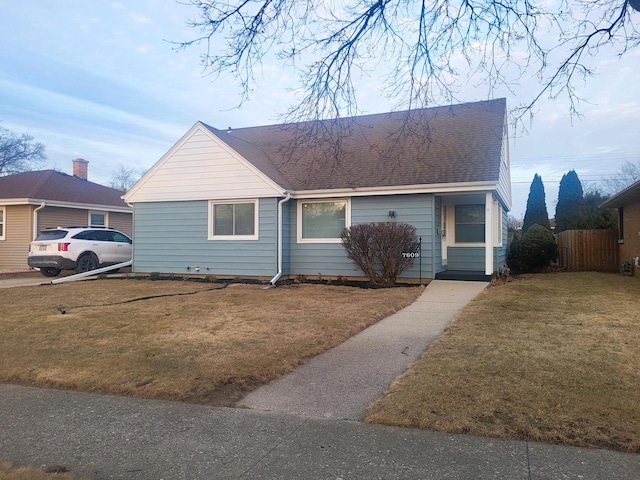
point(98, 219)
point(322, 221)
point(235, 220)
point(3, 222)
point(470, 220)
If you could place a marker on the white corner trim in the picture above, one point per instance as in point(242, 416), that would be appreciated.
point(3, 232)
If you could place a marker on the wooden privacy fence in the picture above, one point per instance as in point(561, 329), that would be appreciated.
point(589, 250)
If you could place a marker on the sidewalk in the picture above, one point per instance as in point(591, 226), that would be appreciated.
point(342, 382)
point(303, 436)
point(107, 437)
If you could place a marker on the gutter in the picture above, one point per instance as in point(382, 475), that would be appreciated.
point(35, 219)
point(273, 281)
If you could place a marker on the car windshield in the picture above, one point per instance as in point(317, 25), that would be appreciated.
point(51, 235)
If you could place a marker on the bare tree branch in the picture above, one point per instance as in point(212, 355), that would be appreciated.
point(423, 52)
point(123, 178)
point(19, 153)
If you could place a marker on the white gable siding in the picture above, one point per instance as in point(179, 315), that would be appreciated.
point(200, 167)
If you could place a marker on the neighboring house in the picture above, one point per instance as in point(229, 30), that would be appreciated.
point(33, 201)
point(628, 204)
point(265, 201)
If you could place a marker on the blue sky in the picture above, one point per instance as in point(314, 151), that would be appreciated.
point(101, 80)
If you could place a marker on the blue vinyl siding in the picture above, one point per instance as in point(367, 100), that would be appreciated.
point(437, 236)
point(330, 259)
point(466, 258)
point(171, 236)
point(286, 236)
point(500, 253)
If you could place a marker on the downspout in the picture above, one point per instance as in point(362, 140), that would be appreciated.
point(273, 281)
point(35, 220)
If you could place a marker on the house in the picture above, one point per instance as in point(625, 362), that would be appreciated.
point(628, 204)
point(33, 201)
point(272, 201)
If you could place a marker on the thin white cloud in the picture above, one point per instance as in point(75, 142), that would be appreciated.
point(139, 18)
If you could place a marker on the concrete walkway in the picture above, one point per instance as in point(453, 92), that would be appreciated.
point(107, 437)
point(341, 383)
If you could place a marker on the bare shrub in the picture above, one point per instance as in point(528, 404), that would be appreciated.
point(377, 249)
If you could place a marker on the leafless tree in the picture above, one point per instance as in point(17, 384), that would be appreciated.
point(123, 178)
point(421, 51)
point(628, 173)
point(19, 153)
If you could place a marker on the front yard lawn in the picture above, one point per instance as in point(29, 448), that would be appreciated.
point(551, 357)
point(208, 347)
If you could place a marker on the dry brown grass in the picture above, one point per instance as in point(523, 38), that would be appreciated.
point(211, 347)
point(553, 358)
point(8, 472)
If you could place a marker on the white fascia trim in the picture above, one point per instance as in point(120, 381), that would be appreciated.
point(17, 201)
point(436, 188)
point(61, 204)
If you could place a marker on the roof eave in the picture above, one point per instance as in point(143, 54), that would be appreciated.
point(63, 204)
point(460, 187)
point(624, 197)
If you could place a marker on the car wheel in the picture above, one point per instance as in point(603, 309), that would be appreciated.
point(86, 263)
point(50, 272)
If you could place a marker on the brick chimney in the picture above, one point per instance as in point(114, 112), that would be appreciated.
point(80, 168)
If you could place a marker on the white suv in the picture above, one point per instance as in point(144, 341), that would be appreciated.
point(78, 248)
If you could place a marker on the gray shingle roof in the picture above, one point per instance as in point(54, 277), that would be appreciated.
point(458, 143)
point(56, 186)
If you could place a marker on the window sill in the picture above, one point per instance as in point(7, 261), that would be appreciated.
point(233, 238)
point(320, 240)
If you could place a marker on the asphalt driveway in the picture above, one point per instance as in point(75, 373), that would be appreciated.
point(28, 279)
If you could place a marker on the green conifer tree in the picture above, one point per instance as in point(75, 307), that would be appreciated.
point(536, 212)
point(570, 200)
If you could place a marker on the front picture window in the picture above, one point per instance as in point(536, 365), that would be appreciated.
point(322, 221)
point(470, 223)
point(2, 222)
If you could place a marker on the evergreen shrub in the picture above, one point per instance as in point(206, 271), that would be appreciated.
point(534, 252)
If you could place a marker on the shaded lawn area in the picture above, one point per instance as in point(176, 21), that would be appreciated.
point(209, 347)
point(549, 357)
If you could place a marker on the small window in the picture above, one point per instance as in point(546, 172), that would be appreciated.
point(470, 224)
point(322, 221)
point(233, 221)
point(2, 222)
point(98, 219)
point(621, 225)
